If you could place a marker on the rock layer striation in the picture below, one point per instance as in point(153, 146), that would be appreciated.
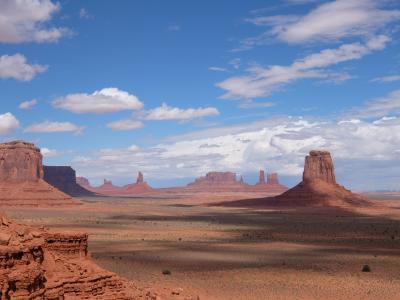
point(21, 178)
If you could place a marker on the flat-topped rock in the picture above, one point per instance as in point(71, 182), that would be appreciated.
point(20, 162)
point(319, 165)
point(21, 178)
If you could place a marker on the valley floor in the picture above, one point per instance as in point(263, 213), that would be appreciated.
point(237, 253)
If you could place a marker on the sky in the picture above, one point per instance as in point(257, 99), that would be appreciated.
point(176, 89)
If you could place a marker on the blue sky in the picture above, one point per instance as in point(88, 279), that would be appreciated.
point(179, 88)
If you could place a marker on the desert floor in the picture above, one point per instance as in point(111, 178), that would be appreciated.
point(238, 253)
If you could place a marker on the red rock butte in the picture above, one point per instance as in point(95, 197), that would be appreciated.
point(64, 179)
point(109, 189)
point(21, 178)
point(318, 188)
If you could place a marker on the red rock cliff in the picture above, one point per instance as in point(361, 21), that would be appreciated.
point(319, 165)
point(64, 178)
point(38, 264)
point(20, 162)
point(21, 178)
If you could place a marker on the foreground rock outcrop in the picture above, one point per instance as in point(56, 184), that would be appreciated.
point(21, 178)
point(318, 188)
point(38, 264)
point(64, 179)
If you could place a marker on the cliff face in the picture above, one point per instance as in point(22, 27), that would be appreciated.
point(39, 264)
point(272, 185)
point(20, 162)
point(216, 179)
point(319, 165)
point(64, 179)
point(319, 187)
point(261, 179)
point(272, 178)
point(21, 178)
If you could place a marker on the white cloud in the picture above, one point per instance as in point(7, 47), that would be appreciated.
point(165, 112)
point(46, 152)
point(278, 144)
point(28, 104)
point(24, 21)
point(8, 123)
point(217, 69)
point(262, 82)
point(107, 100)
point(16, 67)
point(330, 21)
point(126, 124)
point(381, 106)
point(390, 78)
point(52, 127)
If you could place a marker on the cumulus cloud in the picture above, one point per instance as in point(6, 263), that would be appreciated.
point(16, 67)
point(28, 104)
point(278, 144)
point(25, 21)
point(165, 112)
point(53, 127)
point(262, 81)
point(107, 100)
point(46, 152)
point(329, 21)
point(8, 123)
point(126, 124)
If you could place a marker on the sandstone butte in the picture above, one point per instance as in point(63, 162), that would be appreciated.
point(318, 188)
point(64, 179)
point(34, 262)
point(212, 182)
point(21, 178)
point(107, 188)
point(227, 182)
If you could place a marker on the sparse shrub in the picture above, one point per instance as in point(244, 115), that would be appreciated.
point(166, 272)
point(366, 268)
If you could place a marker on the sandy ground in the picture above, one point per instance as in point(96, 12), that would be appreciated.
point(237, 253)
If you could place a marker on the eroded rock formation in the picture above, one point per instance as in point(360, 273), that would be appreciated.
point(109, 189)
point(21, 178)
point(140, 178)
point(20, 162)
point(272, 184)
point(261, 179)
point(64, 179)
point(272, 178)
point(319, 165)
point(215, 179)
point(318, 188)
point(140, 187)
point(38, 264)
point(83, 182)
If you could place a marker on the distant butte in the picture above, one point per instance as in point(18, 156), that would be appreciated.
point(64, 178)
point(317, 189)
point(21, 178)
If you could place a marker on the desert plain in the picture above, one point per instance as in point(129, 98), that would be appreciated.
point(182, 247)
